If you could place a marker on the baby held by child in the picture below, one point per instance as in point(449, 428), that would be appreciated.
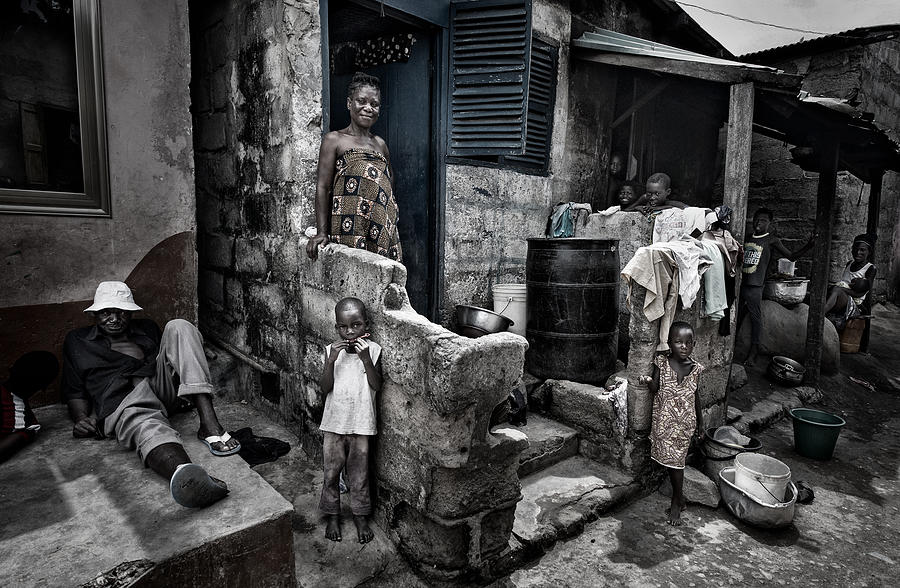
point(350, 381)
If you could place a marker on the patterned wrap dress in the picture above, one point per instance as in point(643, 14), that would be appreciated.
point(364, 213)
point(674, 414)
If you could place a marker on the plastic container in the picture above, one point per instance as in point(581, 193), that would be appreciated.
point(816, 432)
point(762, 477)
point(510, 300)
point(851, 335)
point(750, 510)
point(722, 450)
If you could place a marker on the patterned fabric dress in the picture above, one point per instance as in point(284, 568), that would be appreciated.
point(674, 414)
point(364, 213)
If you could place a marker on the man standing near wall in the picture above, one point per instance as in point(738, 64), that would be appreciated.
point(120, 378)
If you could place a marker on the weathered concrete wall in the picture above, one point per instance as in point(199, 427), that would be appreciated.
point(257, 104)
point(51, 261)
point(872, 74)
point(881, 83)
point(712, 350)
point(447, 487)
point(147, 70)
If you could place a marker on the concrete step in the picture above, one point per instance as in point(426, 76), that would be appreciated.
point(320, 562)
point(558, 501)
point(759, 411)
point(549, 442)
point(74, 509)
point(599, 415)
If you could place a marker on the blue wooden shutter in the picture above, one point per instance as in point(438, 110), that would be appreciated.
point(541, 99)
point(489, 65)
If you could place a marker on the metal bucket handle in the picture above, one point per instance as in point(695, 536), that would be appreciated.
point(508, 302)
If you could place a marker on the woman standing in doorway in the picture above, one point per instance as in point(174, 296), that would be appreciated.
point(355, 204)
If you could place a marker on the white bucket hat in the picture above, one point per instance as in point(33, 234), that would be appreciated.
point(113, 295)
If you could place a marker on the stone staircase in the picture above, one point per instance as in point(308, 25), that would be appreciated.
point(569, 473)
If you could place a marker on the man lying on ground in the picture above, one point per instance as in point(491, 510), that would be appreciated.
point(122, 376)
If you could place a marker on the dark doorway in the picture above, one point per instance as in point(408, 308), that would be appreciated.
point(401, 53)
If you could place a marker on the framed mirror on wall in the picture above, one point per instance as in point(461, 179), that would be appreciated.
point(53, 153)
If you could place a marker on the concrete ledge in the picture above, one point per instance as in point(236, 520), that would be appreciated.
point(549, 442)
point(558, 501)
point(75, 508)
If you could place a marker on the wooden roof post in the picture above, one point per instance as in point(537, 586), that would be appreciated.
point(828, 149)
point(737, 155)
point(737, 172)
point(876, 177)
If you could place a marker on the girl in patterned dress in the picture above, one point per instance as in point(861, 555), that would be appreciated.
point(676, 410)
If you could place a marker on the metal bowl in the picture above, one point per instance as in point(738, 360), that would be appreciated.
point(786, 292)
point(786, 370)
point(474, 321)
point(751, 510)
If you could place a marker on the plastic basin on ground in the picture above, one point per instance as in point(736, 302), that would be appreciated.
point(750, 510)
point(816, 432)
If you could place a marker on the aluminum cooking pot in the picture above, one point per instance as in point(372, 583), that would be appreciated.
point(474, 321)
point(786, 370)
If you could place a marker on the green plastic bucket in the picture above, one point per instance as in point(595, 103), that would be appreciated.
point(816, 432)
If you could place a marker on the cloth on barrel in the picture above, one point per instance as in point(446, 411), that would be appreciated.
point(667, 271)
point(655, 269)
point(715, 301)
point(364, 212)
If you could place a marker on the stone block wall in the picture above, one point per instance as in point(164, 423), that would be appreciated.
point(256, 103)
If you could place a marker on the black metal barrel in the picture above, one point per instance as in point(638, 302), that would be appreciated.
point(572, 308)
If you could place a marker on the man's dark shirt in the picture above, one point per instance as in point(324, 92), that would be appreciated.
point(93, 371)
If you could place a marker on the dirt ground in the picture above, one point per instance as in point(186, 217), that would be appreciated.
point(848, 536)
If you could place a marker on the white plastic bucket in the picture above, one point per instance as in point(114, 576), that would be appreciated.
point(763, 477)
point(509, 300)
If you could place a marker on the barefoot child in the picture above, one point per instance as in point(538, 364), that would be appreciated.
point(758, 250)
point(676, 410)
point(350, 381)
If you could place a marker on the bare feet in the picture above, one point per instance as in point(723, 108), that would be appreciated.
point(751, 359)
point(333, 528)
point(674, 512)
point(363, 531)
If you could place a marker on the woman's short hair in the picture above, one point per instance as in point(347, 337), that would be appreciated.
point(361, 80)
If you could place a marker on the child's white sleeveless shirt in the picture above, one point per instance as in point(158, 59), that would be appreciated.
point(350, 408)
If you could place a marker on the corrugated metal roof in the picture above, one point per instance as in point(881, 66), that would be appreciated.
point(613, 42)
point(849, 37)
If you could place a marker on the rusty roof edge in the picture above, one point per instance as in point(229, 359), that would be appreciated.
point(857, 36)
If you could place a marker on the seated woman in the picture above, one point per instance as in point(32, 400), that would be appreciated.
point(848, 297)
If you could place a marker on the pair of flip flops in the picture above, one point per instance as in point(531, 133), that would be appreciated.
point(223, 438)
point(192, 487)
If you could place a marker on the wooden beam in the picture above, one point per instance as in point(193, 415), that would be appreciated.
point(737, 155)
point(877, 175)
point(657, 89)
point(828, 149)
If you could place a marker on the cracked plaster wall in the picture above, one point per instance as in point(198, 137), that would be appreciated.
point(146, 61)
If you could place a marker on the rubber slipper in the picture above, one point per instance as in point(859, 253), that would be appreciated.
point(223, 438)
point(192, 487)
